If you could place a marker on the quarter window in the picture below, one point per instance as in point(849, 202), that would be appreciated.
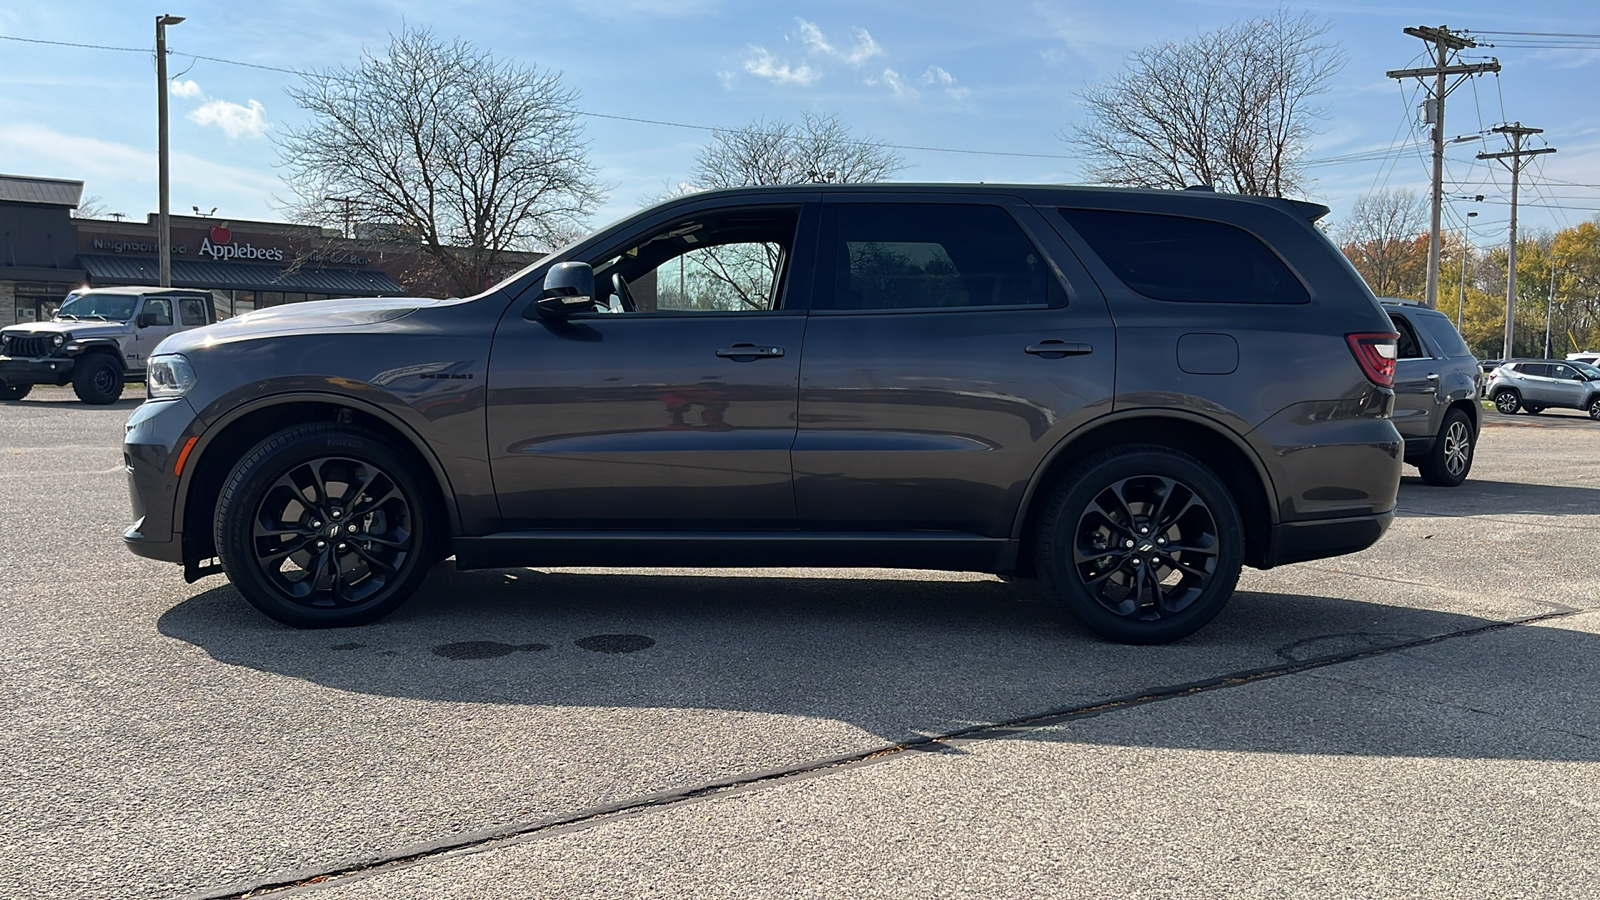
point(928, 256)
point(192, 311)
point(1187, 260)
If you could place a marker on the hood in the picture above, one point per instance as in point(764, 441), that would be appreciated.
point(300, 318)
point(82, 328)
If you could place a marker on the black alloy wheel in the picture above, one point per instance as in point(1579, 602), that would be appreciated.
point(1448, 463)
point(1507, 401)
point(1142, 544)
point(97, 379)
point(323, 526)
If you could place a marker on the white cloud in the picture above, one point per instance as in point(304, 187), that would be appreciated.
point(185, 89)
point(864, 48)
point(765, 65)
point(234, 120)
point(896, 84)
point(937, 75)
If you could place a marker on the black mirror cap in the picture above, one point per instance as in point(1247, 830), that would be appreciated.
point(146, 319)
point(568, 288)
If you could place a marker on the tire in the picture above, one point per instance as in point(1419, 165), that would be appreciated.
point(1104, 503)
point(1532, 410)
point(97, 379)
point(1448, 463)
point(1507, 401)
point(14, 391)
point(1594, 407)
point(292, 493)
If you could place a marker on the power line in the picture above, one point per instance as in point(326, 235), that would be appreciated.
point(6, 37)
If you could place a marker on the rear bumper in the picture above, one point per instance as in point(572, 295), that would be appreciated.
point(16, 370)
point(1293, 542)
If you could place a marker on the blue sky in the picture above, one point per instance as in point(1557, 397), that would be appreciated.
point(994, 76)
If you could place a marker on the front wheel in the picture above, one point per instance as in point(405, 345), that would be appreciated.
point(14, 391)
point(97, 379)
point(1507, 401)
point(1594, 408)
point(1448, 463)
point(323, 526)
point(1142, 544)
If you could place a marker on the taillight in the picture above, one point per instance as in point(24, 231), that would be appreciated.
point(1375, 351)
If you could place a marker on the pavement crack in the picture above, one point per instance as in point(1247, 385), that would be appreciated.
point(489, 839)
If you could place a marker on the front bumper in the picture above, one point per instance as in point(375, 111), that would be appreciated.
point(155, 434)
point(18, 370)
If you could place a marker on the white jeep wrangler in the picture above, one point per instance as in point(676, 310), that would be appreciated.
point(99, 339)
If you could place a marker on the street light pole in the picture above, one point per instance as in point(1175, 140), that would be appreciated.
point(1549, 301)
point(164, 223)
point(1462, 303)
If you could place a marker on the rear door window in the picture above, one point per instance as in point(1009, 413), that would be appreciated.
point(1409, 347)
point(192, 311)
point(1187, 260)
point(892, 256)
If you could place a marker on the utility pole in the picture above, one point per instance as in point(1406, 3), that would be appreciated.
point(1445, 45)
point(1462, 305)
point(347, 202)
point(164, 223)
point(1516, 131)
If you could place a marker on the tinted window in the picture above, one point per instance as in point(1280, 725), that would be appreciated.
point(1566, 373)
point(1187, 260)
point(928, 256)
point(1538, 370)
point(1444, 334)
point(160, 309)
point(192, 311)
point(1409, 347)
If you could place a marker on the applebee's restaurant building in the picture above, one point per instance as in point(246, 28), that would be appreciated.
point(45, 253)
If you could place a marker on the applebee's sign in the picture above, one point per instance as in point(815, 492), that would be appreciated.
point(219, 245)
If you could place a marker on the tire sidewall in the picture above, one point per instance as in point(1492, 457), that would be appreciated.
point(85, 373)
point(1505, 393)
point(1059, 524)
point(1437, 471)
point(246, 487)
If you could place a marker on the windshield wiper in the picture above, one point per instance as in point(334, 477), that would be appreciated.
point(97, 316)
point(62, 315)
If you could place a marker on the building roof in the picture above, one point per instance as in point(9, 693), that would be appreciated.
point(240, 276)
point(44, 191)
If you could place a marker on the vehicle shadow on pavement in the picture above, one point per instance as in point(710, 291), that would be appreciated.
point(900, 658)
point(72, 402)
point(1476, 497)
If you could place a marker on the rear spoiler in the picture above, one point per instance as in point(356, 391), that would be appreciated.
point(1311, 212)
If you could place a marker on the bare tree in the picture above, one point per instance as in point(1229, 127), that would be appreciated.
point(1231, 108)
point(438, 140)
point(91, 207)
point(1381, 236)
point(817, 148)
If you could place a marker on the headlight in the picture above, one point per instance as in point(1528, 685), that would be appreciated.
point(169, 375)
point(58, 340)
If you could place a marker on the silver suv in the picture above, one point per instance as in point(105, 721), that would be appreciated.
point(1535, 385)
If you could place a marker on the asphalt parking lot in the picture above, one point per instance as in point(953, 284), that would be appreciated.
point(1415, 720)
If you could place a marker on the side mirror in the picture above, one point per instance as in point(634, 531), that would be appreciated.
point(568, 289)
point(146, 319)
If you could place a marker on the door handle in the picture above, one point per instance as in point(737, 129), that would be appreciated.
point(1054, 349)
point(750, 351)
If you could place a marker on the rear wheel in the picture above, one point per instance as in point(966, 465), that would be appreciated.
point(1594, 407)
point(323, 526)
point(1531, 409)
point(14, 391)
point(97, 379)
point(1142, 544)
point(1448, 463)
point(1507, 401)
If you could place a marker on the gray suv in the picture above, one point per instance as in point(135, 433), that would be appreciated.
point(1126, 394)
point(1436, 393)
point(1535, 385)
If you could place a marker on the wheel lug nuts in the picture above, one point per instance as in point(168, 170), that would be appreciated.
point(1128, 544)
point(335, 514)
point(350, 528)
point(322, 545)
point(1137, 561)
point(341, 546)
point(1161, 541)
point(1143, 530)
point(315, 523)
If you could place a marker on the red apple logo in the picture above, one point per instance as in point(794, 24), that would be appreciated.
point(220, 234)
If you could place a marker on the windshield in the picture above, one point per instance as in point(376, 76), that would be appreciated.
point(106, 307)
point(1588, 371)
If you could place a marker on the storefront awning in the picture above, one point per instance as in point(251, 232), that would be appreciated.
point(190, 273)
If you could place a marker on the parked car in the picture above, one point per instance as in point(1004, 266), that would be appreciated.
point(1436, 405)
point(1535, 385)
point(1590, 357)
point(1128, 394)
point(99, 339)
